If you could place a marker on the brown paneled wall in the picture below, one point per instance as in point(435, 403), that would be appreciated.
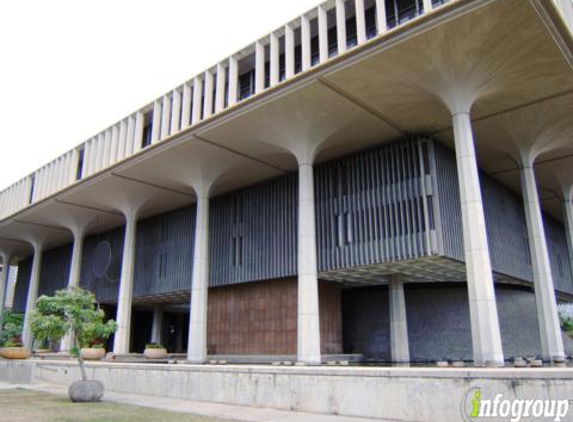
point(260, 318)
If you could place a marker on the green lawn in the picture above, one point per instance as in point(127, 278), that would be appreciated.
point(31, 406)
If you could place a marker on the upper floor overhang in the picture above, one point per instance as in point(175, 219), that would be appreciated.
point(509, 62)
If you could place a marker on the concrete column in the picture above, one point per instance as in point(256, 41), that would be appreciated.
point(76, 261)
point(486, 339)
point(5, 279)
point(399, 346)
point(547, 317)
point(428, 6)
point(289, 51)
point(381, 22)
point(93, 155)
point(568, 214)
point(259, 67)
point(156, 328)
point(121, 343)
point(175, 112)
point(166, 116)
point(115, 145)
point(197, 347)
point(305, 42)
point(274, 59)
point(308, 332)
point(322, 34)
point(341, 25)
point(126, 149)
point(360, 22)
point(186, 106)
point(138, 134)
point(220, 88)
point(233, 81)
point(156, 124)
point(74, 279)
point(208, 95)
point(32, 294)
point(197, 94)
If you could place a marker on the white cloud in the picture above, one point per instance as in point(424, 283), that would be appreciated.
point(72, 68)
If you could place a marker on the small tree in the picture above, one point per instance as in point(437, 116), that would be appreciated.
point(74, 312)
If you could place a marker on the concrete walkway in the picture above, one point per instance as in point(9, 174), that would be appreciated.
point(218, 410)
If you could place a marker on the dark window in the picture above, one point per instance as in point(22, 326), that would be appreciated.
point(80, 167)
point(147, 131)
point(371, 30)
point(246, 84)
point(32, 183)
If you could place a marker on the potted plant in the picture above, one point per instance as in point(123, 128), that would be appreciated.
point(155, 351)
point(92, 350)
point(10, 341)
point(74, 312)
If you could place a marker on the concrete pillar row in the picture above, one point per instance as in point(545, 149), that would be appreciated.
point(308, 331)
point(360, 21)
point(341, 25)
point(289, 51)
point(399, 345)
point(123, 318)
point(233, 81)
point(197, 93)
point(322, 34)
point(6, 258)
point(156, 122)
point(305, 42)
point(186, 106)
point(175, 112)
point(568, 213)
point(547, 317)
point(486, 338)
point(32, 292)
point(165, 117)
point(381, 22)
point(125, 145)
point(428, 6)
point(274, 59)
point(208, 94)
point(220, 88)
point(259, 67)
point(197, 347)
point(116, 144)
point(138, 134)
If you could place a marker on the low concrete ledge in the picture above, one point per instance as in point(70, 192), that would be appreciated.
point(405, 394)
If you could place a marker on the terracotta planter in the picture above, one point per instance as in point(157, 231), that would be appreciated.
point(155, 353)
point(15, 352)
point(92, 353)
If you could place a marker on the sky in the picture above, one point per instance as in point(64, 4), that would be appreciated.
point(69, 68)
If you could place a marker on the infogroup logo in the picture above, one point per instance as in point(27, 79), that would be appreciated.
point(476, 407)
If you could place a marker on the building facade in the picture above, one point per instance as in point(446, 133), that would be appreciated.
point(403, 195)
